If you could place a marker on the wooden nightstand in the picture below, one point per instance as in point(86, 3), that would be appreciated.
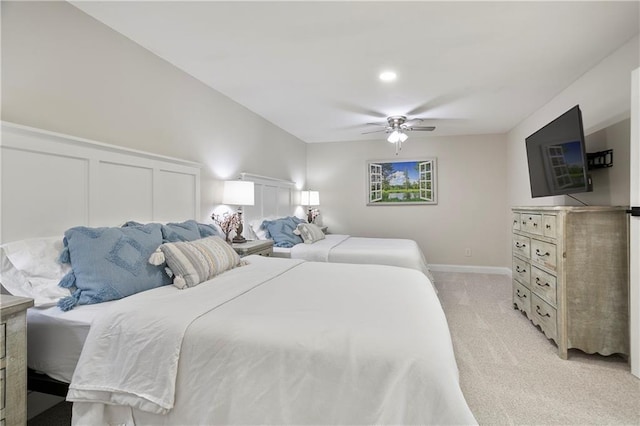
point(13, 359)
point(259, 247)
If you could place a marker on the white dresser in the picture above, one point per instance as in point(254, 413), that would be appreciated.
point(13, 360)
point(570, 275)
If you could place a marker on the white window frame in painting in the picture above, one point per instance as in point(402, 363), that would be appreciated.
point(375, 182)
point(425, 179)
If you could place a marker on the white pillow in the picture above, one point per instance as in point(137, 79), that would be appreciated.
point(30, 268)
point(309, 232)
point(259, 232)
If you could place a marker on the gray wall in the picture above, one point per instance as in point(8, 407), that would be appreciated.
point(471, 195)
point(65, 72)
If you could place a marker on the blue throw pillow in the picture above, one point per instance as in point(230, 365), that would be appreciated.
point(185, 231)
point(281, 232)
point(209, 230)
point(110, 263)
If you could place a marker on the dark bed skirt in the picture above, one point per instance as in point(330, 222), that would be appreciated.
point(39, 382)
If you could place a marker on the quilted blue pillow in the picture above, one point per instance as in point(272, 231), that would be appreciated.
point(110, 263)
point(184, 231)
point(281, 231)
point(209, 230)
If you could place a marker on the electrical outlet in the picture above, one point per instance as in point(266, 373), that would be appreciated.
point(467, 252)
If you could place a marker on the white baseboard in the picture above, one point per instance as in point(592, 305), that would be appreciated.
point(471, 269)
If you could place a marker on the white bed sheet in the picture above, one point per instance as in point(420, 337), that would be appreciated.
point(55, 338)
point(285, 341)
point(364, 250)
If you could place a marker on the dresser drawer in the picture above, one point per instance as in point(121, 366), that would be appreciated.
point(516, 222)
point(544, 315)
point(544, 285)
point(521, 246)
point(521, 271)
point(531, 223)
point(522, 298)
point(543, 254)
point(3, 331)
point(549, 225)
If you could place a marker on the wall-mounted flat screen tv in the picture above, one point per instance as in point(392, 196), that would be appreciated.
point(557, 157)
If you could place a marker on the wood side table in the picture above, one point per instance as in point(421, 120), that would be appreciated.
point(13, 359)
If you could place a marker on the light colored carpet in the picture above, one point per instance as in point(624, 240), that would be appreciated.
point(510, 372)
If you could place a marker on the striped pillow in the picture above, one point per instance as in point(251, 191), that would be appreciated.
point(309, 232)
point(193, 262)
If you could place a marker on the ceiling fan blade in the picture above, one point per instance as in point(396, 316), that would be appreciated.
point(346, 106)
point(374, 131)
point(414, 120)
point(422, 128)
point(380, 123)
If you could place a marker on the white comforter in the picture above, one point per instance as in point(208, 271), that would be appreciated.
point(278, 341)
point(376, 251)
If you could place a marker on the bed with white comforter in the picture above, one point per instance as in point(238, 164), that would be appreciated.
point(280, 341)
point(347, 249)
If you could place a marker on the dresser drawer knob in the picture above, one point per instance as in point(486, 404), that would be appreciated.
point(541, 284)
point(521, 296)
point(520, 245)
point(548, 226)
point(540, 312)
point(520, 271)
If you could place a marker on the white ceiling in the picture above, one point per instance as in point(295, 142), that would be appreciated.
point(312, 67)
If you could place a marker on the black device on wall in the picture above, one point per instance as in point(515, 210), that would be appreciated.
point(557, 157)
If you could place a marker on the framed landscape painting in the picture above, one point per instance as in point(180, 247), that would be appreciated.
point(402, 182)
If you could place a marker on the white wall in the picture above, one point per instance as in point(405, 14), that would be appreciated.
point(603, 94)
point(66, 72)
point(471, 195)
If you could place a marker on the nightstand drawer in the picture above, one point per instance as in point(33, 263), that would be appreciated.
point(3, 339)
point(254, 247)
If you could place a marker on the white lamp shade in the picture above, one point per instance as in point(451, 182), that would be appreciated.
point(238, 193)
point(310, 198)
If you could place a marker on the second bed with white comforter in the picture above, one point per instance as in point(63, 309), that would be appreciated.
point(347, 249)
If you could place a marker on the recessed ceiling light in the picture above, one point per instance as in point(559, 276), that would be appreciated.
point(388, 76)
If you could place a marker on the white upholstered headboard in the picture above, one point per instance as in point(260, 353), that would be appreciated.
point(273, 197)
point(50, 182)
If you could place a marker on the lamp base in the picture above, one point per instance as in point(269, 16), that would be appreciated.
point(238, 239)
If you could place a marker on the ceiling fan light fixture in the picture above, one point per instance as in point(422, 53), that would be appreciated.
point(394, 137)
point(403, 137)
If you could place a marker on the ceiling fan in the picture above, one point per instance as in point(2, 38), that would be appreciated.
point(397, 126)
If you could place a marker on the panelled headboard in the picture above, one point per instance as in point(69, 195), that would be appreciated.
point(273, 197)
point(50, 182)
